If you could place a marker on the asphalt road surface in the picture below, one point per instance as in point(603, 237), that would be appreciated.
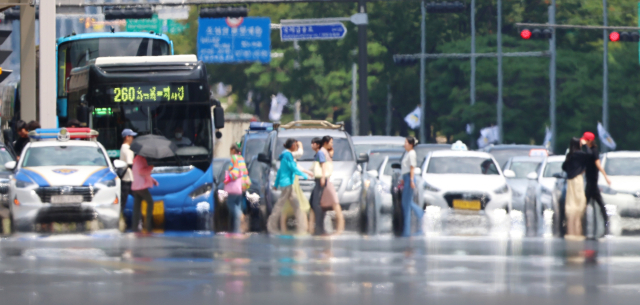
point(190, 268)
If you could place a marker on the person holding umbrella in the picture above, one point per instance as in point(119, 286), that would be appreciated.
point(147, 146)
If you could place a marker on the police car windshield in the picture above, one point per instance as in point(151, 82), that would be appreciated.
point(64, 156)
point(253, 146)
point(462, 165)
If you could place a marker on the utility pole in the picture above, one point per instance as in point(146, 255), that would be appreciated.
point(473, 51)
point(362, 65)
point(500, 133)
point(605, 72)
point(47, 85)
point(423, 98)
point(354, 100)
point(389, 97)
point(552, 75)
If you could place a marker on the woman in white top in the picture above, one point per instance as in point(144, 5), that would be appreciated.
point(409, 162)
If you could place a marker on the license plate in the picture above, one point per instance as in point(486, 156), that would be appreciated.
point(66, 199)
point(466, 204)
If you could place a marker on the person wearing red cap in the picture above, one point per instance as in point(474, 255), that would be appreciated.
point(593, 167)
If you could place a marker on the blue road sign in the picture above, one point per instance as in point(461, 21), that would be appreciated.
point(313, 31)
point(227, 40)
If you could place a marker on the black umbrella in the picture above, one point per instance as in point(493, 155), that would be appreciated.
point(153, 146)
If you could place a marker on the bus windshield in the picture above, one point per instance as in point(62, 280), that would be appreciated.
point(77, 53)
point(188, 125)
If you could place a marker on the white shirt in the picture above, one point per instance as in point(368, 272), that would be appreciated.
point(408, 161)
point(126, 155)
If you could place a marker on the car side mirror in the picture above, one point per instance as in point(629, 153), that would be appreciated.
point(218, 135)
point(509, 173)
point(11, 165)
point(264, 159)
point(373, 173)
point(363, 158)
point(395, 166)
point(119, 164)
point(558, 175)
point(218, 117)
point(532, 176)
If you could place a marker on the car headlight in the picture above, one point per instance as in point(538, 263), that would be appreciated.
point(202, 190)
point(272, 178)
point(502, 190)
point(24, 184)
point(107, 183)
point(607, 190)
point(430, 188)
point(382, 187)
point(355, 182)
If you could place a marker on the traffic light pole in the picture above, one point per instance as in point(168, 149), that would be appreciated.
point(552, 76)
point(500, 133)
point(605, 72)
point(362, 75)
point(473, 51)
point(423, 98)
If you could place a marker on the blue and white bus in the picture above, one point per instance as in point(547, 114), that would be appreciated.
point(74, 51)
point(160, 95)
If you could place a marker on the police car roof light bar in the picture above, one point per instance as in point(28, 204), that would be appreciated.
point(64, 134)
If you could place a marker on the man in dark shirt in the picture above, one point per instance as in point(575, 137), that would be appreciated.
point(23, 137)
point(593, 167)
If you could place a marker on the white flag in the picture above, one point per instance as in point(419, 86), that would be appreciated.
point(547, 138)
point(488, 135)
point(606, 138)
point(413, 118)
point(277, 104)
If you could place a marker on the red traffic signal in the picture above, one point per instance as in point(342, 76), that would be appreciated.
point(614, 36)
point(525, 34)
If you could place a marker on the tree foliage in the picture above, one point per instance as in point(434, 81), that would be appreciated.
point(318, 73)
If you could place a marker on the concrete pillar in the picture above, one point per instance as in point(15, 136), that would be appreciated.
point(48, 93)
point(27, 62)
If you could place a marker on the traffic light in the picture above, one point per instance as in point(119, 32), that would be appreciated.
point(224, 12)
point(624, 36)
point(536, 34)
point(404, 60)
point(4, 54)
point(118, 13)
point(445, 7)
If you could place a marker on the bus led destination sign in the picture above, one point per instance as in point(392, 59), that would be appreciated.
point(148, 93)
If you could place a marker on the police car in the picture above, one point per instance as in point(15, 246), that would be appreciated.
point(64, 176)
point(464, 181)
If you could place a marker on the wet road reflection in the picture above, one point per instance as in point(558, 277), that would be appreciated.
point(174, 268)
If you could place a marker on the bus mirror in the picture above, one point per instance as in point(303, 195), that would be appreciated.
point(218, 117)
point(218, 135)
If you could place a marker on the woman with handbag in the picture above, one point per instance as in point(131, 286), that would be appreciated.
point(299, 212)
point(284, 180)
point(236, 181)
point(408, 163)
point(324, 196)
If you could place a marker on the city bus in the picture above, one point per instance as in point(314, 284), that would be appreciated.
point(74, 51)
point(160, 95)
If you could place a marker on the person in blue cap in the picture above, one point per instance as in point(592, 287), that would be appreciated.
point(126, 155)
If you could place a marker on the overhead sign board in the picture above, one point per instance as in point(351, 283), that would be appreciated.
point(228, 40)
point(291, 32)
point(155, 24)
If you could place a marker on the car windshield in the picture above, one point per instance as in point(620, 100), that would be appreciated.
point(341, 149)
point(376, 158)
point(388, 170)
point(623, 167)
point(365, 148)
point(503, 155)
point(253, 146)
point(551, 169)
point(64, 156)
point(5, 157)
point(422, 151)
point(462, 165)
point(522, 169)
